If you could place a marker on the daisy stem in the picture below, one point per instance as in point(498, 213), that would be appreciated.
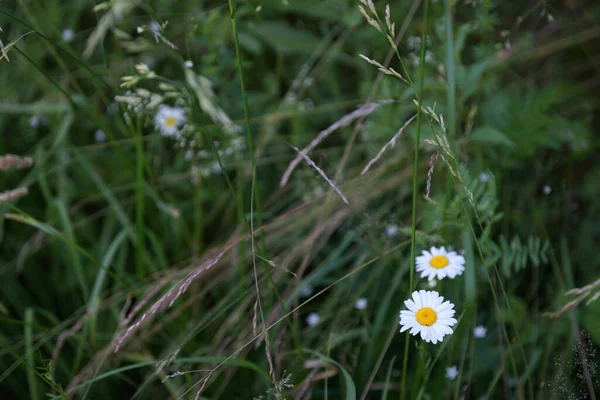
point(415, 188)
point(421, 367)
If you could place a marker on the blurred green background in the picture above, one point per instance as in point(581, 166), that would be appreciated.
point(118, 214)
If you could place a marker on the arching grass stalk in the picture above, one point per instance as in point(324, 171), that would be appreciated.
point(254, 195)
point(415, 189)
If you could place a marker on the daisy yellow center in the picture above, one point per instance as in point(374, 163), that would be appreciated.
point(439, 262)
point(170, 121)
point(426, 316)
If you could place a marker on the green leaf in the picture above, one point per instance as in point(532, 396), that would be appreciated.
point(488, 134)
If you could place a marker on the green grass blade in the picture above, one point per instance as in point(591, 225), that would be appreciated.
point(32, 379)
point(99, 282)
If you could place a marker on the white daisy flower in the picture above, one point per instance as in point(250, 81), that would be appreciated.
point(451, 372)
point(99, 136)
point(439, 263)
point(361, 303)
point(68, 35)
point(391, 230)
point(189, 64)
point(169, 119)
point(428, 315)
point(312, 319)
point(479, 332)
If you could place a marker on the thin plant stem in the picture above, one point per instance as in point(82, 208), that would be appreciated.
point(139, 203)
point(197, 245)
point(254, 195)
point(415, 191)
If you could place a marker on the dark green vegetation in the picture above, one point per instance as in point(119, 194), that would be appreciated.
point(120, 218)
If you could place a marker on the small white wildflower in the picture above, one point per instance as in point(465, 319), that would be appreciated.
point(361, 303)
point(413, 42)
point(142, 69)
point(258, 9)
point(189, 64)
point(99, 136)
point(215, 167)
point(306, 290)
point(439, 263)
point(290, 98)
point(155, 28)
point(169, 119)
point(313, 319)
point(34, 121)
point(309, 81)
point(484, 177)
point(547, 189)
point(479, 332)
point(68, 35)
point(428, 315)
point(451, 372)
point(231, 129)
point(429, 57)
point(432, 283)
point(140, 29)
point(391, 230)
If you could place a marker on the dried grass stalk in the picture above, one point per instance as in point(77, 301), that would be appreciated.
point(434, 157)
point(12, 195)
point(10, 160)
point(320, 171)
point(391, 143)
point(170, 297)
point(361, 112)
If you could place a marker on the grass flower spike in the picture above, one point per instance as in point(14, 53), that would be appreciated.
point(169, 119)
point(429, 315)
point(439, 263)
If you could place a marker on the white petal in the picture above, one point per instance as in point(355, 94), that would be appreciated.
point(417, 299)
point(411, 305)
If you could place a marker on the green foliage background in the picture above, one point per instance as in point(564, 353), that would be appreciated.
point(110, 225)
